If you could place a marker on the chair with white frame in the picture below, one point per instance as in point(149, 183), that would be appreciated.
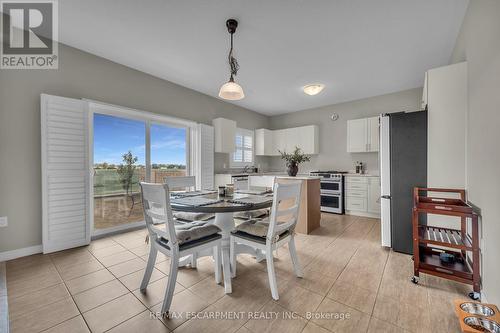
point(186, 183)
point(280, 231)
point(156, 206)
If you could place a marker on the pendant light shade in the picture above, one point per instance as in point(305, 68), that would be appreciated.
point(231, 90)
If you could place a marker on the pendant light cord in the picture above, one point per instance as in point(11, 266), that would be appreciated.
point(233, 63)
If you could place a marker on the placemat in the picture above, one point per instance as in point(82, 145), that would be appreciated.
point(191, 193)
point(251, 200)
point(194, 201)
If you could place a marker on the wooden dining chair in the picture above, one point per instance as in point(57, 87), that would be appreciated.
point(173, 242)
point(268, 235)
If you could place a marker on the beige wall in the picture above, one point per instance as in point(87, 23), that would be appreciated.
point(333, 134)
point(478, 44)
point(80, 75)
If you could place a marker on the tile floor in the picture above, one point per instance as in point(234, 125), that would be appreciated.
point(347, 276)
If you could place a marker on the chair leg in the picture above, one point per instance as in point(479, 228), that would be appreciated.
point(295, 259)
point(217, 264)
point(232, 254)
point(259, 255)
point(226, 269)
point(149, 268)
point(172, 278)
point(194, 260)
point(271, 274)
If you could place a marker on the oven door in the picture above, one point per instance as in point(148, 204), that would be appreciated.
point(331, 203)
point(329, 185)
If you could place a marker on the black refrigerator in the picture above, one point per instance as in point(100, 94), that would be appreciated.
point(403, 166)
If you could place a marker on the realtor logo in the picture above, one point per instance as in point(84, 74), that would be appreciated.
point(29, 34)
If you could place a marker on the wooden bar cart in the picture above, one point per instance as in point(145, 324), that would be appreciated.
point(431, 242)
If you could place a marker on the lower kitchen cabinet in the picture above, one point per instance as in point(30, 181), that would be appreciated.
point(374, 195)
point(362, 195)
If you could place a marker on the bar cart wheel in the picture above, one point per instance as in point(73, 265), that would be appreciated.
point(414, 279)
point(475, 296)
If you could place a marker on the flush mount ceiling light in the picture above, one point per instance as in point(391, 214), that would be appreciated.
point(313, 89)
point(231, 90)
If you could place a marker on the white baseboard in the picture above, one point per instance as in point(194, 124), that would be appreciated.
point(363, 214)
point(26, 251)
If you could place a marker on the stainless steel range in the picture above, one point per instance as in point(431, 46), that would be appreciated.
point(332, 190)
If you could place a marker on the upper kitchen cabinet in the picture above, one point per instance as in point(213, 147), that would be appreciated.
point(225, 132)
point(363, 135)
point(306, 138)
point(270, 142)
point(373, 134)
point(264, 142)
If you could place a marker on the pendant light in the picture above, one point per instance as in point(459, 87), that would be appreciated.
point(231, 90)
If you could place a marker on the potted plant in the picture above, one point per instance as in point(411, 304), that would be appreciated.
point(293, 160)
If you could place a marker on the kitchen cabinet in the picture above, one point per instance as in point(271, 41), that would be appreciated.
point(374, 195)
point(362, 195)
point(357, 135)
point(264, 142)
point(279, 142)
point(306, 138)
point(269, 142)
point(363, 135)
point(373, 134)
point(224, 135)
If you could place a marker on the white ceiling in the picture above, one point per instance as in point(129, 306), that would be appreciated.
point(357, 48)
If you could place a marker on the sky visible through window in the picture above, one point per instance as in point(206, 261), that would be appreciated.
point(115, 136)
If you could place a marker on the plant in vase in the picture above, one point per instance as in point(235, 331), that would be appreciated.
point(293, 160)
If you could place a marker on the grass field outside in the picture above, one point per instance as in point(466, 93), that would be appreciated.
point(112, 207)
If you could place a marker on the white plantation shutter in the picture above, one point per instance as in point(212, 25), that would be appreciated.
point(206, 156)
point(65, 173)
point(243, 154)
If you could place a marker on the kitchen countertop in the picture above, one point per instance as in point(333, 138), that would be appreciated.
point(300, 177)
point(361, 175)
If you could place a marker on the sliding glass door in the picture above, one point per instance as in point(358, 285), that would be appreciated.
point(127, 151)
point(119, 166)
point(168, 152)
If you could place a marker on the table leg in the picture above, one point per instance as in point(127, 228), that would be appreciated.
point(225, 222)
point(184, 261)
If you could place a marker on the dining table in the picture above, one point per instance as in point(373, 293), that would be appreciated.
point(224, 208)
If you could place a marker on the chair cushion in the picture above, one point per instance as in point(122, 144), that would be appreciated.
point(261, 240)
point(254, 227)
point(189, 217)
point(191, 231)
point(193, 243)
point(251, 214)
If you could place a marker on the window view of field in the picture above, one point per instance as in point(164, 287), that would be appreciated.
point(119, 166)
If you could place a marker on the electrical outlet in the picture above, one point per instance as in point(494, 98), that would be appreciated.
point(3, 221)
